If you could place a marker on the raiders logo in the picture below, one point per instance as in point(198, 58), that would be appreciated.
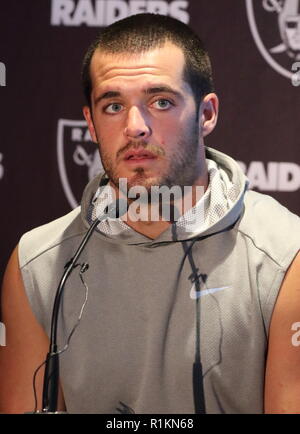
point(275, 26)
point(78, 158)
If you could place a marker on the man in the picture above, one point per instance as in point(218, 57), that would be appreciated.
point(181, 317)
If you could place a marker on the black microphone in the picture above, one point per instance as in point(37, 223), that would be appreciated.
point(51, 375)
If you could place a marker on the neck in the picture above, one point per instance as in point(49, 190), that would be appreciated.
point(152, 219)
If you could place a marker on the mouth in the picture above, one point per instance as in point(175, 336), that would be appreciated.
point(139, 155)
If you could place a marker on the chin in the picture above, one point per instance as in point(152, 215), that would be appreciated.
point(143, 181)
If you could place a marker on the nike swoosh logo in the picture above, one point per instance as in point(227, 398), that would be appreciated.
point(197, 294)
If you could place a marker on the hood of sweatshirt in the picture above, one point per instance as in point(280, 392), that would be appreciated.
point(218, 208)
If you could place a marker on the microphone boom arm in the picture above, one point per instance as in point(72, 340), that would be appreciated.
point(51, 375)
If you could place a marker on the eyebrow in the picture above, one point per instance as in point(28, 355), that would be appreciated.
point(149, 91)
point(107, 95)
point(163, 89)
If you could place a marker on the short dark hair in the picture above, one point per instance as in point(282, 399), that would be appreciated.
point(143, 32)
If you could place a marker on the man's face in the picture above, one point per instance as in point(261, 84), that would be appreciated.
point(144, 118)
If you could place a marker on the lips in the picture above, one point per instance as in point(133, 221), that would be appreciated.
point(138, 154)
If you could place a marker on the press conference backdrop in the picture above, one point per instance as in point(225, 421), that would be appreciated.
point(46, 156)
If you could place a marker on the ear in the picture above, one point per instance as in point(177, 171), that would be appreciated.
point(208, 113)
point(88, 117)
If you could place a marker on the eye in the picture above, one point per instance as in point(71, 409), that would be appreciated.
point(291, 24)
point(162, 104)
point(113, 108)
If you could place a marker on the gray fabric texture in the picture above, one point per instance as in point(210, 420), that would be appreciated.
point(153, 303)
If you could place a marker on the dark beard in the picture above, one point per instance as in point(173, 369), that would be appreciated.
point(183, 169)
point(184, 164)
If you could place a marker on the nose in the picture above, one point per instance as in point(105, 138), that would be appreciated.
point(137, 125)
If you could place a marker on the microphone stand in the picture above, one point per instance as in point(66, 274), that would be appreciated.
point(51, 375)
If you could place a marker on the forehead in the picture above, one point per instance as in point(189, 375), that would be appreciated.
point(163, 64)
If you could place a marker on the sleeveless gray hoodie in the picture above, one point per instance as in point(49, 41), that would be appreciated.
point(158, 308)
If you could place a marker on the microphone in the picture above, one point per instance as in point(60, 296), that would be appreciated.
point(51, 376)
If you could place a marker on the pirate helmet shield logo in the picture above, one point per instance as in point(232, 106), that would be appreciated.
point(275, 26)
point(78, 158)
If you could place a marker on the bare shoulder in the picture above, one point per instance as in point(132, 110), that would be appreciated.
point(282, 386)
point(26, 344)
